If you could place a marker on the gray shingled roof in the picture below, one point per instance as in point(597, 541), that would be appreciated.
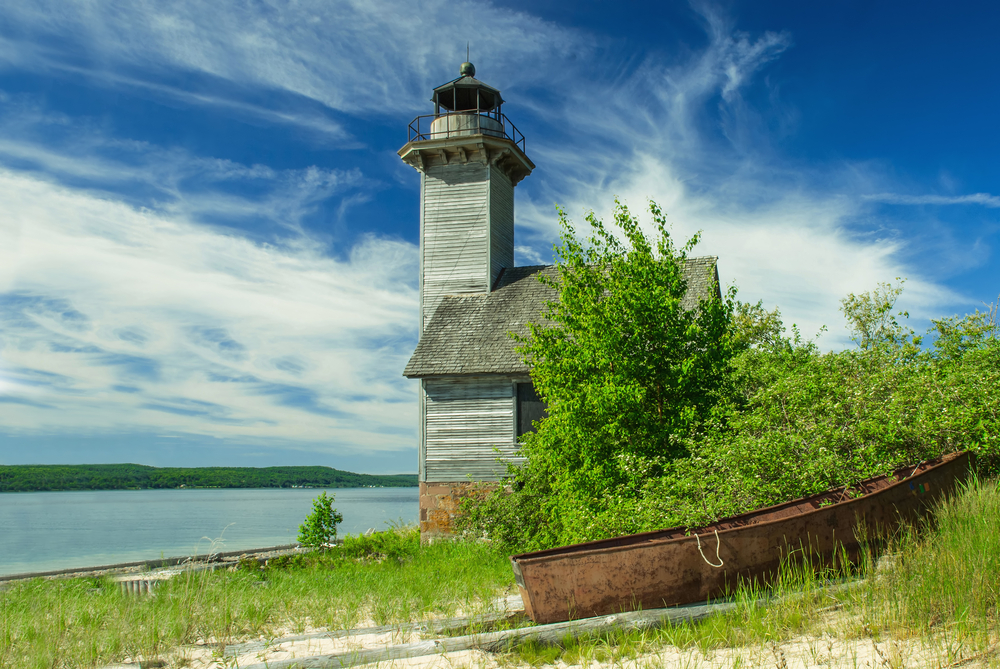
point(468, 333)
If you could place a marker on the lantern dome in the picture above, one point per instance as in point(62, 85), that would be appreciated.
point(466, 94)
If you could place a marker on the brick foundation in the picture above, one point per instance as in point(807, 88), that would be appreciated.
point(439, 505)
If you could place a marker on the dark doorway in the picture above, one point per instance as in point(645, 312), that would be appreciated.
point(530, 408)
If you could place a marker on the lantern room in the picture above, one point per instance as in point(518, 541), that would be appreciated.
point(467, 94)
point(464, 107)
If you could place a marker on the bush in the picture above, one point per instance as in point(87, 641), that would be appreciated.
point(787, 421)
point(319, 530)
point(396, 543)
point(628, 369)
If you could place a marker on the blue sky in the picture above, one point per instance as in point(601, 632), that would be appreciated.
point(208, 243)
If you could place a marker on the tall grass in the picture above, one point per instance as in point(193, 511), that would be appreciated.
point(946, 571)
point(89, 622)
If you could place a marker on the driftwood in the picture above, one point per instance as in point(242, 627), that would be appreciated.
point(506, 639)
point(209, 561)
point(445, 626)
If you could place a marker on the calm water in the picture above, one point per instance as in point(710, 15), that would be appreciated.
point(43, 531)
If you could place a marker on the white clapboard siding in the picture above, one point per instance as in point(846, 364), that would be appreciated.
point(455, 231)
point(465, 419)
point(501, 223)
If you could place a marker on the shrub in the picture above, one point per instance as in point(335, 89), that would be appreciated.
point(319, 530)
point(628, 369)
point(749, 417)
point(397, 543)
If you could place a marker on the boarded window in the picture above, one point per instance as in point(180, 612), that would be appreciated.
point(530, 408)
point(466, 419)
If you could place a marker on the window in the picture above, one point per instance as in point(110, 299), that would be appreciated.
point(530, 408)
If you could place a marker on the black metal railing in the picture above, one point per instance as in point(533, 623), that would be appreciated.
point(461, 124)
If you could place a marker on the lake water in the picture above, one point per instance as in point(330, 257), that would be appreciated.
point(45, 531)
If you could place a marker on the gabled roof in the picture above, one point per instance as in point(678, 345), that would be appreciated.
point(468, 333)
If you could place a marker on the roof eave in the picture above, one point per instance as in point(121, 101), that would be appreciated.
point(451, 375)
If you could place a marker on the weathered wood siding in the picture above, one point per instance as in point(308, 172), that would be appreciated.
point(464, 419)
point(501, 223)
point(455, 233)
point(467, 231)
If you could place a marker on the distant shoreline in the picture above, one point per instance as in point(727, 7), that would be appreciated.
point(68, 478)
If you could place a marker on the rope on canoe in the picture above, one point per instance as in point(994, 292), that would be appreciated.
point(717, 545)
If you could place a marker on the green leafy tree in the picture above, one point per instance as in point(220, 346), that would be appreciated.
point(622, 363)
point(628, 368)
point(319, 530)
point(974, 332)
point(870, 318)
point(769, 418)
point(809, 421)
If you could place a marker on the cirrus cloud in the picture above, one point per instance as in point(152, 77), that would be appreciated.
point(120, 319)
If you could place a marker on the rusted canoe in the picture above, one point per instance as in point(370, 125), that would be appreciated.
point(666, 567)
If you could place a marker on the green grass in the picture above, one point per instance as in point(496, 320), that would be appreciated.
point(948, 573)
point(89, 623)
point(940, 587)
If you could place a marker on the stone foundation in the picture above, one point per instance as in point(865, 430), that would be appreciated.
point(440, 504)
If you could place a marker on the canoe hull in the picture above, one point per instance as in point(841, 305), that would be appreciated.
point(666, 568)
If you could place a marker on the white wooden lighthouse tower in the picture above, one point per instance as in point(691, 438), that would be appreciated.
point(476, 397)
point(470, 157)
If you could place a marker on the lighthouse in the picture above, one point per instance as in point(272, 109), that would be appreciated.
point(470, 158)
point(476, 396)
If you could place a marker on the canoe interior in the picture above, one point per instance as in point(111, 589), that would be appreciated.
point(666, 567)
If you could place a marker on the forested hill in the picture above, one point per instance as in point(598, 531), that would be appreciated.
point(25, 478)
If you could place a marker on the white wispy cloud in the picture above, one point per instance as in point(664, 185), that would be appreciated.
point(122, 319)
point(167, 179)
point(354, 56)
point(984, 199)
point(129, 305)
point(683, 135)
